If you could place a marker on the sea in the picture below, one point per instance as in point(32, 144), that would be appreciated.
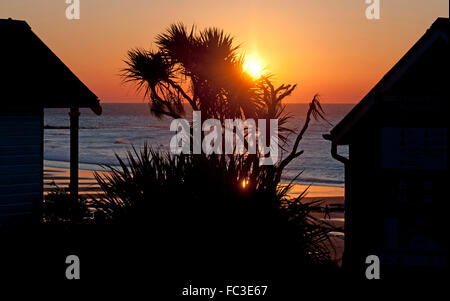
point(124, 125)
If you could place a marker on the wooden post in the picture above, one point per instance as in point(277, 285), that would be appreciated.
point(74, 124)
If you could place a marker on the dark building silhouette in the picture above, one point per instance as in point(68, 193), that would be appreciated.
point(32, 78)
point(397, 173)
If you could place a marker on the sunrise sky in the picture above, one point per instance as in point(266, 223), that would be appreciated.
point(325, 46)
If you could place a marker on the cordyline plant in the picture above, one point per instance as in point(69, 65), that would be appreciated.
point(205, 70)
point(189, 197)
point(230, 193)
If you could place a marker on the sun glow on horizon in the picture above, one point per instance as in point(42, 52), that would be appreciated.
point(253, 66)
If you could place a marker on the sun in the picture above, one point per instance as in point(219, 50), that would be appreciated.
point(253, 67)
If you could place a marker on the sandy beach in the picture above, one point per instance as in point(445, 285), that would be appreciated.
point(60, 177)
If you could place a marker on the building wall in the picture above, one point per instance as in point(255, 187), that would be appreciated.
point(364, 192)
point(21, 163)
point(398, 174)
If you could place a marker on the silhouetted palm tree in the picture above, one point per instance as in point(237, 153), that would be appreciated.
point(205, 70)
point(200, 68)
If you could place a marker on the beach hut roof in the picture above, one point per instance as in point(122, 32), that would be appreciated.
point(439, 32)
point(33, 76)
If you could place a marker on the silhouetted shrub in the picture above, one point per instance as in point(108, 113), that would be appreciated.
point(200, 202)
point(59, 207)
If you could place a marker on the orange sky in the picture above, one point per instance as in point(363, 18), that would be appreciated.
point(325, 46)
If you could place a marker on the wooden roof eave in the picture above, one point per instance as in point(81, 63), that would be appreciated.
point(340, 134)
point(54, 84)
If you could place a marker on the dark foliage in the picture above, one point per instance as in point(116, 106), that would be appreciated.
point(59, 207)
point(201, 202)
